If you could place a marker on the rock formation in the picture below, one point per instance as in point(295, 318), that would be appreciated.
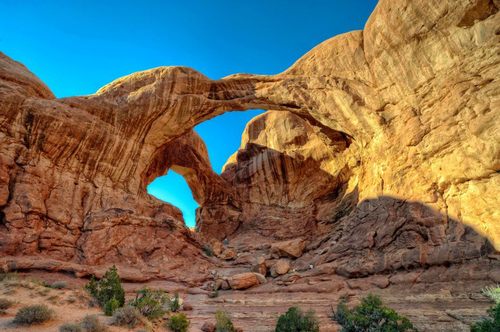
point(379, 154)
point(71, 189)
point(407, 108)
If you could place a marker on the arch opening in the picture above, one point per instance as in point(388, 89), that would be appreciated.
point(222, 137)
point(172, 188)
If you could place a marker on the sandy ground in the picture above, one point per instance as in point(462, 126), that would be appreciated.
point(452, 304)
point(70, 305)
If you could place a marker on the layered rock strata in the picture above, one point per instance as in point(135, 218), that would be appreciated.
point(381, 151)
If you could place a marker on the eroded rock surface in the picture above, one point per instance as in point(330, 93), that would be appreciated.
point(407, 108)
point(69, 194)
point(379, 154)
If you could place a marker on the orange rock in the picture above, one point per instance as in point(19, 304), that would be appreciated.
point(290, 248)
point(260, 267)
point(243, 280)
point(208, 327)
point(217, 247)
point(228, 254)
point(282, 266)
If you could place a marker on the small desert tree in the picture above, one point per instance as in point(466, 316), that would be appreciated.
point(492, 322)
point(108, 291)
point(150, 303)
point(178, 323)
point(371, 316)
point(294, 320)
point(223, 322)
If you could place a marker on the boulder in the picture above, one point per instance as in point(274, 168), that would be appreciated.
point(282, 266)
point(208, 327)
point(260, 266)
point(221, 284)
point(217, 247)
point(187, 307)
point(244, 280)
point(262, 278)
point(291, 248)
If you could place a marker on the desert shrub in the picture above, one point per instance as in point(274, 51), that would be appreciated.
point(371, 315)
point(490, 323)
point(493, 293)
point(107, 288)
point(294, 320)
point(91, 323)
point(127, 316)
point(150, 303)
point(178, 323)
point(175, 303)
point(58, 285)
point(5, 303)
point(70, 327)
point(33, 314)
point(223, 322)
point(111, 306)
point(207, 250)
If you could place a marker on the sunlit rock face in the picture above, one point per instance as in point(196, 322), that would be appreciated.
point(414, 100)
point(382, 147)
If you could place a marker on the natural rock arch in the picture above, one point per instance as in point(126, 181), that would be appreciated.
point(423, 127)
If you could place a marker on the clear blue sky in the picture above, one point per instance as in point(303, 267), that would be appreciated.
point(77, 46)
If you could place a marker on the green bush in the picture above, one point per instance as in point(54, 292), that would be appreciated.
point(296, 321)
point(493, 293)
point(107, 288)
point(111, 306)
point(178, 323)
point(371, 315)
point(127, 316)
point(33, 314)
point(92, 324)
point(70, 327)
point(150, 303)
point(175, 303)
point(5, 303)
point(488, 324)
point(223, 322)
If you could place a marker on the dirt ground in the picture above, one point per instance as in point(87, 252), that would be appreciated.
point(70, 304)
point(454, 305)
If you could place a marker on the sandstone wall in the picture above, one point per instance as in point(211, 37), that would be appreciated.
point(383, 144)
point(415, 94)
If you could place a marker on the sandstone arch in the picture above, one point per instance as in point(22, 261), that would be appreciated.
point(423, 127)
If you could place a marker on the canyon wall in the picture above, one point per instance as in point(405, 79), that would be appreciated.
point(381, 149)
point(408, 108)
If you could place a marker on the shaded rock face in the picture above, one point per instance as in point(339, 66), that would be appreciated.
point(381, 149)
point(286, 178)
point(68, 194)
